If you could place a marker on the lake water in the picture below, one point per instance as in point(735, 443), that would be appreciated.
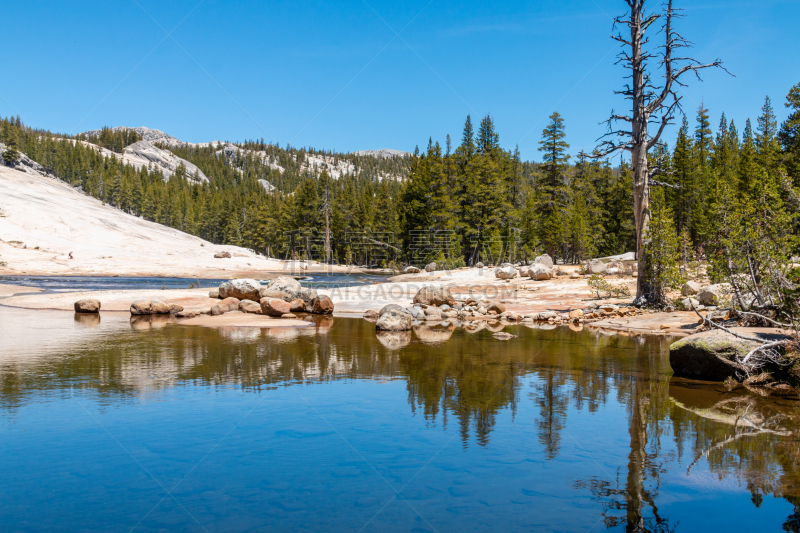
point(103, 283)
point(113, 424)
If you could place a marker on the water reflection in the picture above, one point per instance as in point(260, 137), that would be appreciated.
point(460, 376)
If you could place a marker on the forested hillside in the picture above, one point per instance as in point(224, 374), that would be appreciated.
point(455, 204)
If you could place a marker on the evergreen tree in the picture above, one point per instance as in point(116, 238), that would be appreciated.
point(662, 244)
point(552, 191)
point(789, 135)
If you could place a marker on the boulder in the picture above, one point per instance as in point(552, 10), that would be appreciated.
point(434, 296)
point(608, 308)
point(372, 315)
point(222, 255)
point(712, 355)
point(249, 306)
point(415, 312)
point(395, 321)
point(290, 287)
point(690, 288)
point(149, 307)
point(411, 270)
point(217, 310)
point(289, 315)
point(613, 270)
point(544, 260)
point(524, 272)
point(87, 305)
point(298, 305)
point(433, 314)
point(506, 272)
point(275, 307)
point(321, 305)
point(478, 265)
point(229, 304)
point(390, 307)
point(307, 294)
point(496, 307)
point(267, 293)
point(574, 275)
point(540, 272)
point(510, 316)
point(686, 304)
point(241, 289)
point(595, 266)
point(430, 267)
point(575, 314)
point(185, 314)
point(174, 309)
point(214, 294)
point(713, 294)
point(546, 315)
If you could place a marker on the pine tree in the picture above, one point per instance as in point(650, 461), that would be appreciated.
point(684, 194)
point(552, 191)
point(767, 147)
point(11, 153)
point(662, 245)
point(789, 135)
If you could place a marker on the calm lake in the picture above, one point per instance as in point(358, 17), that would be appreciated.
point(114, 424)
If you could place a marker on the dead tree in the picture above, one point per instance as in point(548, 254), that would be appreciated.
point(653, 103)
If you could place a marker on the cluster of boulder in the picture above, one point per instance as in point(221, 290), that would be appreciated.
point(597, 266)
point(438, 306)
point(281, 298)
point(703, 298)
point(541, 269)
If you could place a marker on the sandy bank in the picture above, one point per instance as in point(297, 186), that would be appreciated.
point(7, 291)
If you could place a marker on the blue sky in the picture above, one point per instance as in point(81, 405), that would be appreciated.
point(357, 75)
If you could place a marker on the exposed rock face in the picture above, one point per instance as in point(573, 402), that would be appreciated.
point(290, 287)
point(595, 266)
point(267, 185)
point(434, 296)
point(544, 260)
point(713, 294)
point(506, 272)
point(275, 307)
point(144, 153)
point(149, 307)
point(382, 153)
point(242, 289)
point(540, 272)
point(222, 255)
point(249, 306)
point(321, 305)
point(712, 355)
point(411, 270)
point(430, 267)
point(87, 305)
point(690, 288)
point(394, 321)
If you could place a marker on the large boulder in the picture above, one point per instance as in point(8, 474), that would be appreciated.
point(249, 306)
point(395, 321)
point(544, 260)
point(595, 266)
point(479, 264)
point(290, 287)
point(496, 307)
point(690, 288)
point(540, 272)
point(307, 295)
point(149, 307)
point(429, 295)
point(506, 272)
point(87, 305)
point(430, 267)
point(241, 289)
point(298, 305)
point(321, 305)
point(411, 270)
point(229, 304)
point(713, 294)
point(222, 255)
point(388, 308)
point(275, 307)
point(712, 355)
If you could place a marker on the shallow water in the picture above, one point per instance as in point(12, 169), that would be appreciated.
point(110, 424)
point(104, 283)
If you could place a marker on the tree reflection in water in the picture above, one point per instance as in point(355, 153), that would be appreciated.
point(464, 374)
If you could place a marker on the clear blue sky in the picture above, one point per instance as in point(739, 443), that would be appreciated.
point(338, 76)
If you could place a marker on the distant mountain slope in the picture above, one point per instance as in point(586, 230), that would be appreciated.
point(383, 152)
point(152, 136)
